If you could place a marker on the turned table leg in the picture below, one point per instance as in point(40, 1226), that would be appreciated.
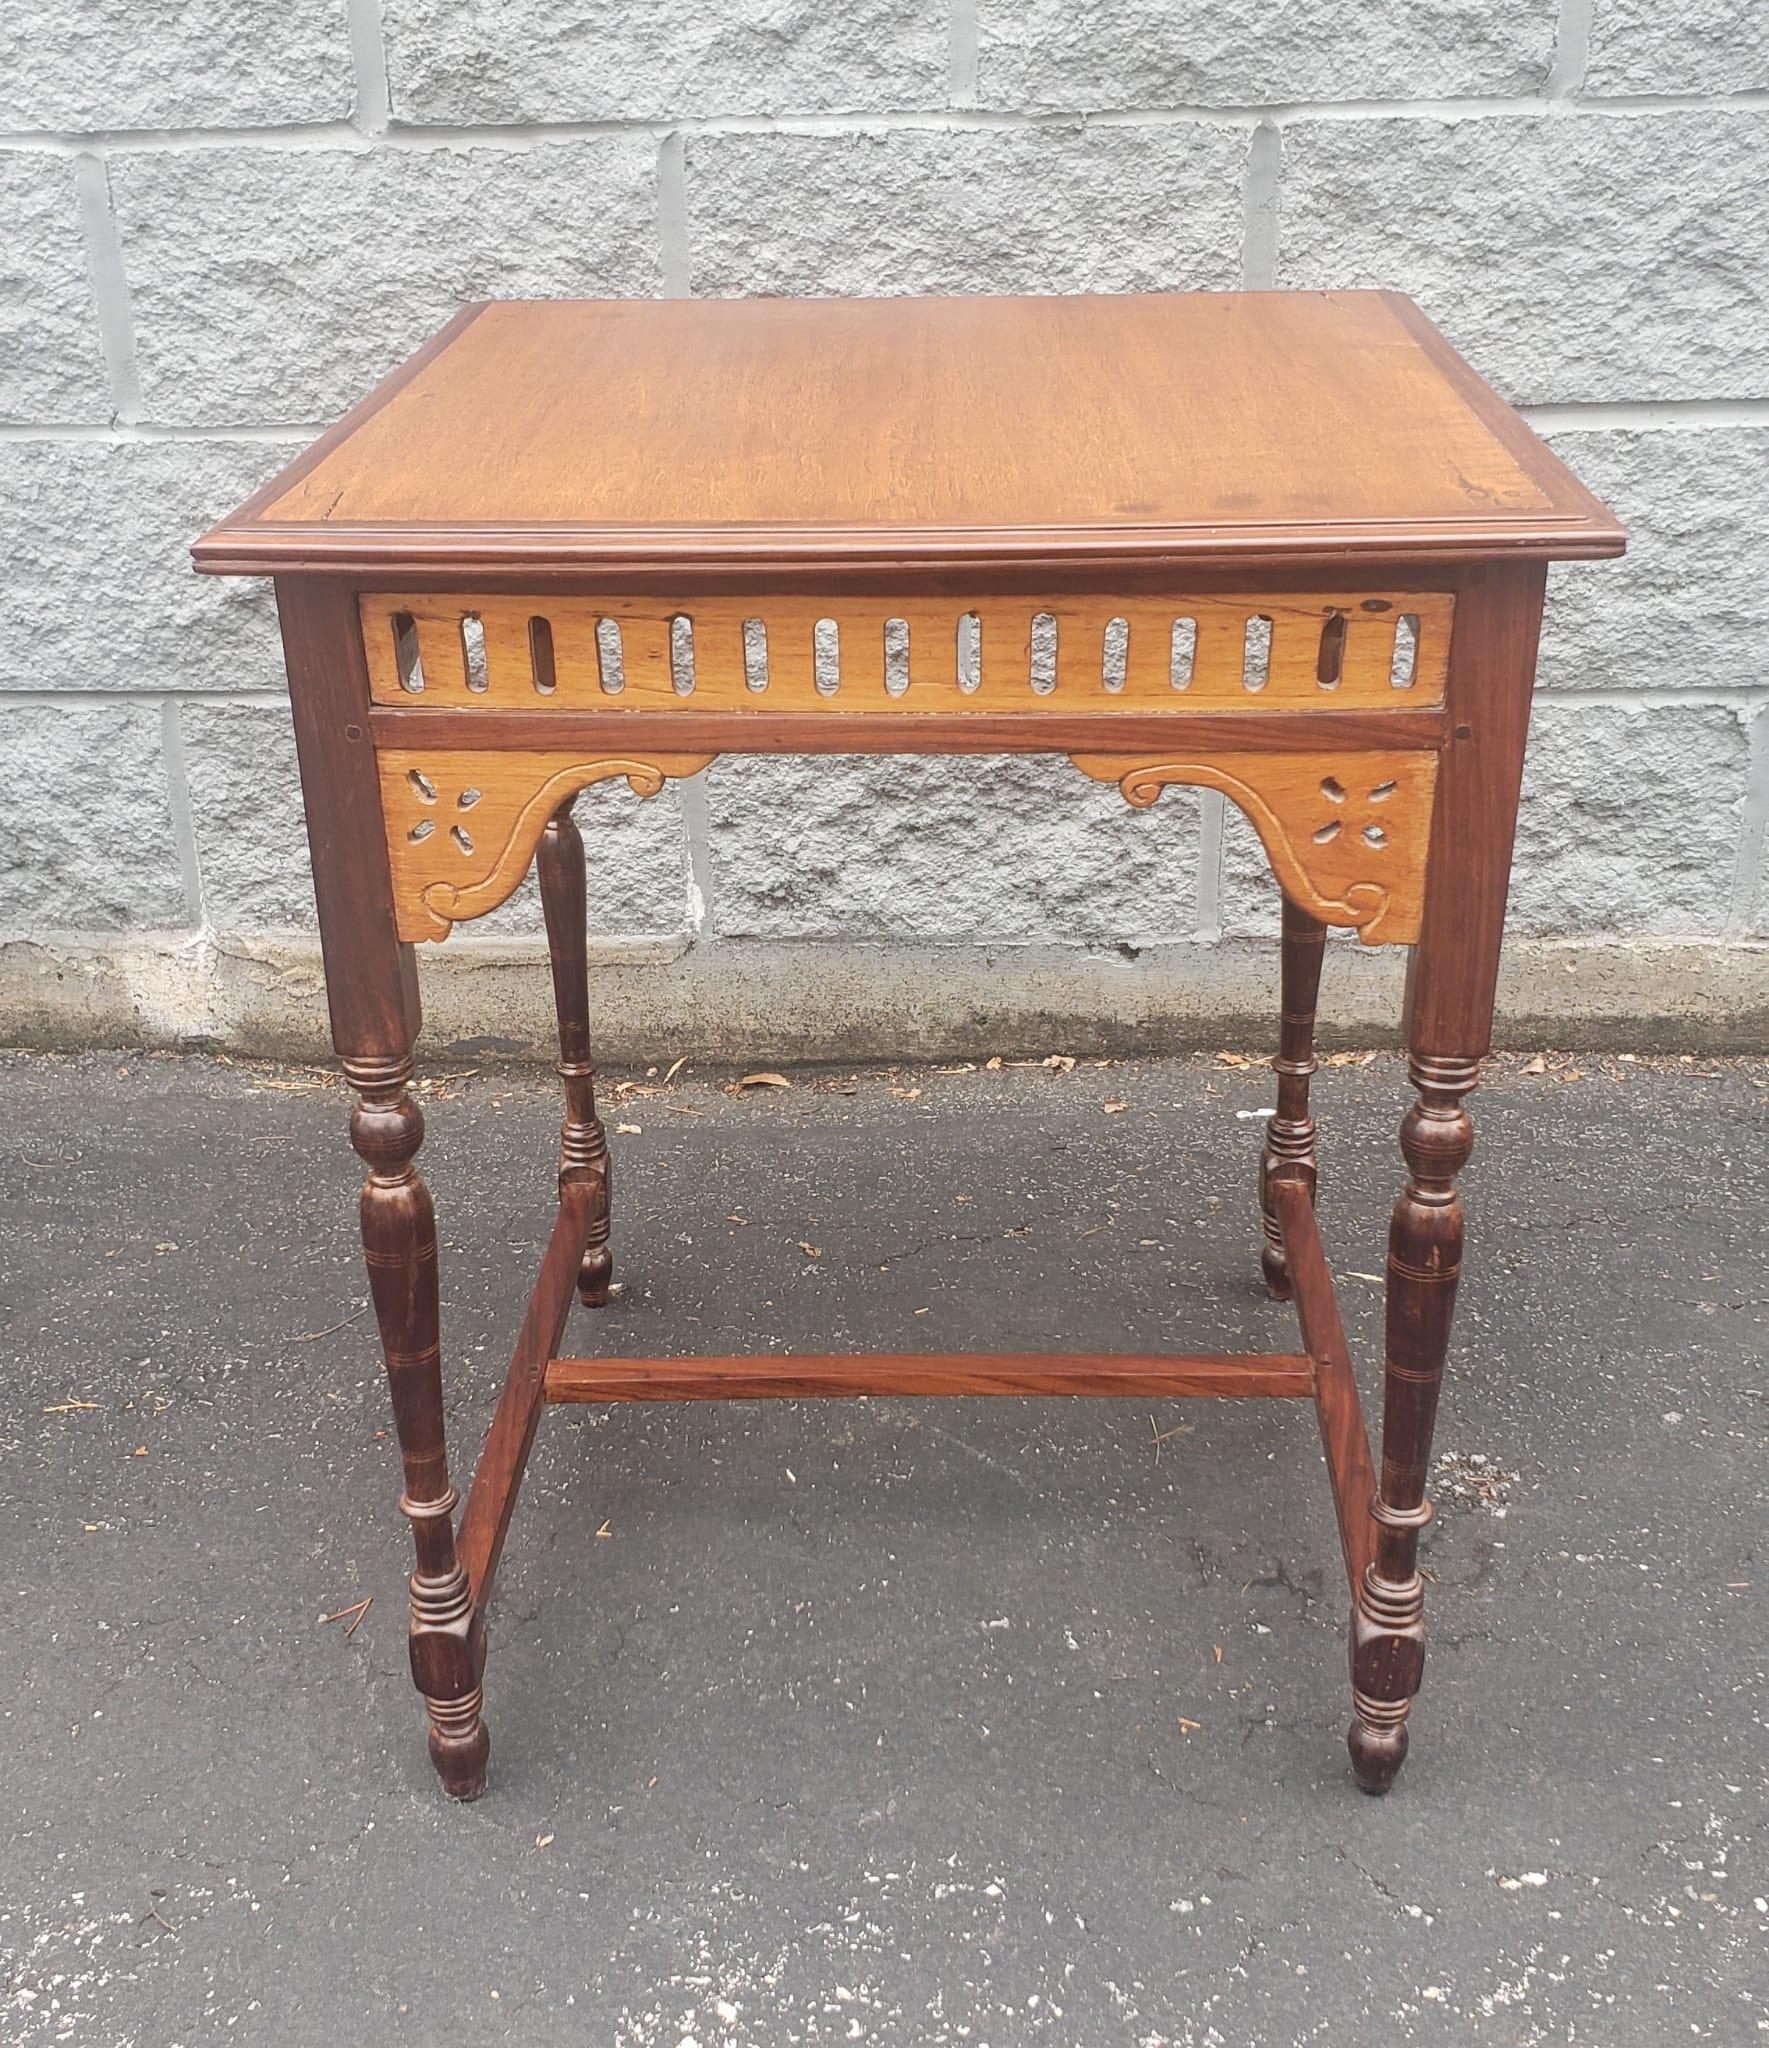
point(399, 1242)
point(1290, 1133)
point(1451, 987)
point(1424, 1263)
point(583, 1144)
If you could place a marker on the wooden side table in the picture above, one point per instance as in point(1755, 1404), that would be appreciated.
point(1283, 545)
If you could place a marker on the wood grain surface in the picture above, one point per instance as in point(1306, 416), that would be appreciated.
point(1176, 427)
point(837, 1375)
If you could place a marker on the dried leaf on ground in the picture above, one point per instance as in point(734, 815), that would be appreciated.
point(764, 1081)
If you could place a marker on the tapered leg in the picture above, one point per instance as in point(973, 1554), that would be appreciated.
point(1424, 1263)
point(1290, 1134)
point(399, 1241)
point(583, 1144)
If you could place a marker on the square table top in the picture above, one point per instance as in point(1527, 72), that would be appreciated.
point(816, 436)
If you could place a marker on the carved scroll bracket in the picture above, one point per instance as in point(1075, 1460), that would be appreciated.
point(1346, 834)
point(463, 826)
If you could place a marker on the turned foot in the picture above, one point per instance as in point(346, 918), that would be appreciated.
point(595, 1277)
point(1424, 1263)
point(459, 1744)
point(1377, 1740)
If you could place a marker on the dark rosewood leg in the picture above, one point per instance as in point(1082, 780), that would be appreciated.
point(372, 992)
point(583, 1145)
point(1290, 1134)
point(1424, 1263)
point(1450, 990)
point(399, 1241)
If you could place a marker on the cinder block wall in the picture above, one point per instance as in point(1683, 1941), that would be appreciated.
point(219, 224)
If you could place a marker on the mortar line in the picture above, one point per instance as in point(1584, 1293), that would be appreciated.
point(1259, 208)
point(184, 834)
point(368, 59)
point(1753, 836)
point(37, 700)
point(1622, 413)
point(962, 53)
point(1572, 50)
point(675, 270)
point(1673, 415)
point(518, 134)
point(1207, 907)
point(110, 284)
point(125, 432)
point(698, 844)
point(1691, 696)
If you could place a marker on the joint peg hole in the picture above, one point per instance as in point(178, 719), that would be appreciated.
point(1382, 792)
point(421, 831)
point(422, 787)
point(461, 837)
point(467, 799)
point(1326, 832)
point(1333, 790)
point(1375, 836)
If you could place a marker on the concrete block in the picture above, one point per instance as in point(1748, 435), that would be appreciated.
point(1178, 53)
point(535, 61)
point(251, 838)
point(84, 65)
point(277, 285)
point(98, 592)
point(1582, 257)
point(51, 367)
point(977, 210)
point(1630, 826)
point(1644, 47)
point(1248, 897)
point(948, 849)
point(1630, 821)
point(88, 844)
point(1688, 605)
